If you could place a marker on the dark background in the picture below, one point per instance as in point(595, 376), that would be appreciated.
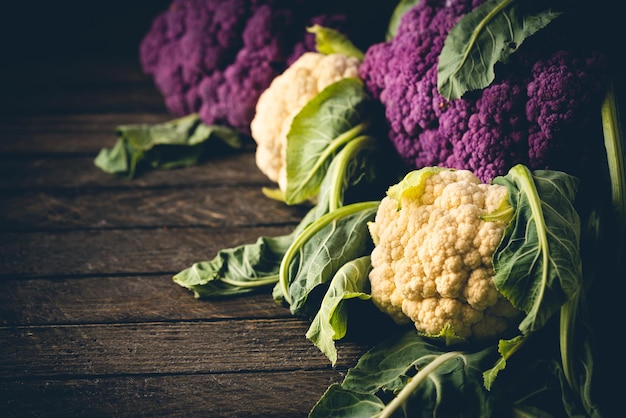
point(56, 49)
point(59, 29)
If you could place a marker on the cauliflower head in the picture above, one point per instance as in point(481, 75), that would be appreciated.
point(215, 57)
point(282, 101)
point(432, 260)
point(540, 111)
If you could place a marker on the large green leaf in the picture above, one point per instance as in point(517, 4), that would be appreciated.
point(487, 35)
point(407, 376)
point(324, 125)
point(538, 265)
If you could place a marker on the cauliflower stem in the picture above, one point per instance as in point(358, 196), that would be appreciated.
point(616, 156)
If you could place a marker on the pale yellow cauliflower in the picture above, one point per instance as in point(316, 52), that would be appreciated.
point(283, 100)
point(432, 262)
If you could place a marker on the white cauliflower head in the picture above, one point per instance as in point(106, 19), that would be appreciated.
point(432, 261)
point(284, 98)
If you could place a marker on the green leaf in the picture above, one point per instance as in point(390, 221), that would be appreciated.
point(242, 269)
point(236, 270)
point(330, 41)
point(331, 322)
point(338, 402)
point(488, 34)
point(180, 142)
point(319, 252)
point(324, 125)
point(273, 193)
point(538, 265)
point(506, 348)
point(413, 184)
point(408, 376)
point(400, 10)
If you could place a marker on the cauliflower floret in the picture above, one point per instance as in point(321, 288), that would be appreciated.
point(389, 252)
point(432, 261)
point(283, 100)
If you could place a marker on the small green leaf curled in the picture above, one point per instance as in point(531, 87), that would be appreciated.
point(402, 7)
point(330, 41)
point(331, 322)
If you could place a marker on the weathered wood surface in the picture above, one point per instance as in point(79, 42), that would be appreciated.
point(242, 394)
point(91, 323)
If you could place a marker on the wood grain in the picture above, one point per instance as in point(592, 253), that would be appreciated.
point(201, 206)
point(162, 348)
point(66, 133)
point(76, 170)
point(118, 251)
point(122, 299)
point(268, 394)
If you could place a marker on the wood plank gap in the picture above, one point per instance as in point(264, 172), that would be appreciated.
point(287, 318)
point(4, 230)
point(256, 372)
point(126, 185)
point(267, 394)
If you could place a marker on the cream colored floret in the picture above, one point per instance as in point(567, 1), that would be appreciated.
point(432, 263)
point(283, 100)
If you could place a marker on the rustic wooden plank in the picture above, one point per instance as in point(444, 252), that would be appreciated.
point(121, 299)
point(112, 252)
point(69, 98)
point(164, 348)
point(67, 133)
point(277, 395)
point(74, 171)
point(219, 206)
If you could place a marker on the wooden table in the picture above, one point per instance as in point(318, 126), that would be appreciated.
point(91, 323)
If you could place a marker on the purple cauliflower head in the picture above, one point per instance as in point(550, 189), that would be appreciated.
point(541, 110)
point(215, 57)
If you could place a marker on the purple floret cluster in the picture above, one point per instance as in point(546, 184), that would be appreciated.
point(215, 57)
point(541, 111)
